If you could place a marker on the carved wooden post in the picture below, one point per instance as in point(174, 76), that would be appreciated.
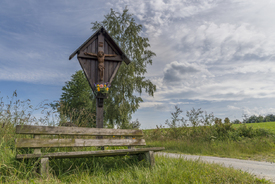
point(100, 101)
point(99, 113)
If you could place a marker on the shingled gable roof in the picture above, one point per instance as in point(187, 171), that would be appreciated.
point(110, 39)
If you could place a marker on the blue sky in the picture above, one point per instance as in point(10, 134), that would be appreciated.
point(215, 55)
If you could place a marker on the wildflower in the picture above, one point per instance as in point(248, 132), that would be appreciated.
point(98, 89)
point(105, 85)
point(107, 89)
point(97, 85)
point(101, 85)
point(134, 138)
point(113, 136)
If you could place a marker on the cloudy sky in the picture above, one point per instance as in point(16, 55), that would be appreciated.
point(215, 55)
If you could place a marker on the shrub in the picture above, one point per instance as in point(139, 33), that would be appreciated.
point(207, 131)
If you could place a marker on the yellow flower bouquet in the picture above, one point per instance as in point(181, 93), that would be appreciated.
point(102, 88)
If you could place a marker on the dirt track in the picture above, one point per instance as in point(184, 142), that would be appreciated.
point(260, 169)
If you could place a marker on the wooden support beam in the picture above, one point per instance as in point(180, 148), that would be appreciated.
point(115, 58)
point(37, 150)
point(44, 170)
point(100, 153)
point(150, 158)
point(129, 147)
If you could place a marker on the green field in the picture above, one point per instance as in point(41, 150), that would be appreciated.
point(244, 141)
point(265, 125)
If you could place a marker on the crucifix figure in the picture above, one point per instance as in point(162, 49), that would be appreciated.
point(100, 57)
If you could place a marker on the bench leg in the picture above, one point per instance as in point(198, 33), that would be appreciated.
point(150, 158)
point(44, 171)
point(129, 147)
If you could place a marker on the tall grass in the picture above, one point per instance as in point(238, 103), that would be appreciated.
point(126, 169)
point(216, 140)
point(210, 136)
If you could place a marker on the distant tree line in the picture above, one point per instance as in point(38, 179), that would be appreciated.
point(256, 119)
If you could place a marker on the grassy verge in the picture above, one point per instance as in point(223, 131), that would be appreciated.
point(128, 170)
point(223, 140)
point(260, 149)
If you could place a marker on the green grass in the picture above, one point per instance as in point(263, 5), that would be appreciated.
point(127, 170)
point(265, 125)
point(250, 149)
point(113, 169)
point(232, 141)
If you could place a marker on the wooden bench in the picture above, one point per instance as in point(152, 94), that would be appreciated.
point(77, 137)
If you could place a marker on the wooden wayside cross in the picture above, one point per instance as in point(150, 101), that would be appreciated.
point(100, 58)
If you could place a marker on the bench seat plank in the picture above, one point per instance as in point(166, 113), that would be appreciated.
point(90, 153)
point(54, 143)
point(59, 130)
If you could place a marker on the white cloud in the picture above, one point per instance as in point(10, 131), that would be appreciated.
point(231, 107)
point(258, 111)
point(211, 53)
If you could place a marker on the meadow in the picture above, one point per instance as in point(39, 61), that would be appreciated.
point(231, 141)
point(270, 126)
point(128, 169)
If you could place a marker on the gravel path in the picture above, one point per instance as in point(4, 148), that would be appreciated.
point(260, 169)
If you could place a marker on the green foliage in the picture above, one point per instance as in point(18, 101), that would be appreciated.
point(221, 130)
point(259, 119)
point(177, 126)
point(207, 131)
point(217, 139)
point(175, 123)
point(236, 121)
point(122, 101)
point(77, 103)
point(132, 125)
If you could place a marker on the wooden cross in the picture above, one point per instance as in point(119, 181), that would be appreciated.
point(100, 58)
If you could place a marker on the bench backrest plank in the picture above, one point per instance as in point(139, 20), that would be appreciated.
point(51, 143)
point(51, 130)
